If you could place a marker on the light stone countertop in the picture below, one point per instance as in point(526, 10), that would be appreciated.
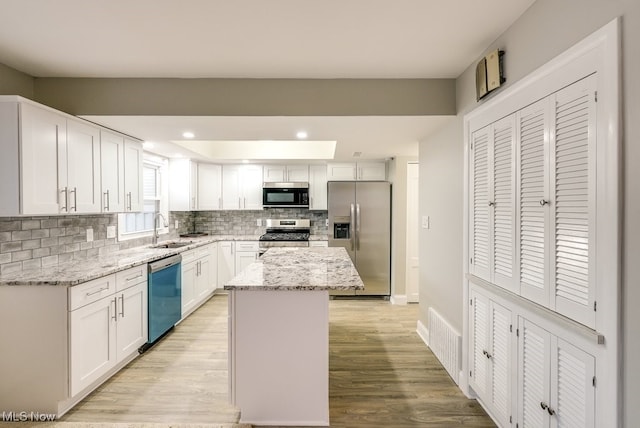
point(299, 268)
point(79, 271)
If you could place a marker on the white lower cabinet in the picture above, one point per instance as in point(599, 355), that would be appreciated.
point(246, 253)
point(226, 262)
point(527, 376)
point(491, 356)
point(197, 272)
point(556, 381)
point(107, 324)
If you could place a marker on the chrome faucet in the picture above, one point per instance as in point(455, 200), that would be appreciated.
point(157, 216)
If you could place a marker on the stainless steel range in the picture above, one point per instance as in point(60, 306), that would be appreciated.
point(285, 233)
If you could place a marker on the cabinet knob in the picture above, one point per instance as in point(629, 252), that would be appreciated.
point(543, 405)
point(551, 411)
point(543, 202)
point(491, 203)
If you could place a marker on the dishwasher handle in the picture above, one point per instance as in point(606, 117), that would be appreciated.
point(164, 263)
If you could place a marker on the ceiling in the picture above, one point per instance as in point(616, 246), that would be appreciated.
point(257, 39)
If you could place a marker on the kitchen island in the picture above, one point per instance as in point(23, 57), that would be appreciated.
point(279, 334)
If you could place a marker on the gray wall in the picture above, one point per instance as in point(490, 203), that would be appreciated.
point(248, 97)
point(14, 82)
point(547, 29)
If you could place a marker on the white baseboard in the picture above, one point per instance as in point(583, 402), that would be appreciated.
point(423, 332)
point(399, 299)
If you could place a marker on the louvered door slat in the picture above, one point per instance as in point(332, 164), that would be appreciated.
point(533, 385)
point(480, 219)
point(575, 394)
point(480, 315)
point(574, 140)
point(532, 124)
point(500, 362)
point(503, 255)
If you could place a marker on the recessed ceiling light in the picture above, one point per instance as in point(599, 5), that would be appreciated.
point(301, 135)
point(188, 134)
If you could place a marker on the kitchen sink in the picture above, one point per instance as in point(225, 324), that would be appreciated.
point(171, 244)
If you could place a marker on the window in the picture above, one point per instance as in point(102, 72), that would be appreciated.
point(155, 188)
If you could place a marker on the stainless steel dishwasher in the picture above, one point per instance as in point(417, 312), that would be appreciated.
point(165, 297)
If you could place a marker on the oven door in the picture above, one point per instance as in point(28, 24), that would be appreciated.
point(285, 195)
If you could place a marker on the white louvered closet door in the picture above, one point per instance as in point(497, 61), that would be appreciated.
point(533, 375)
point(480, 223)
point(572, 392)
point(574, 201)
point(500, 362)
point(479, 338)
point(533, 195)
point(502, 204)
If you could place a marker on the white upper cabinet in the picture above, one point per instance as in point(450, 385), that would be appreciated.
point(317, 187)
point(43, 151)
point(242, 187)
point(209, 187)
point(285, 173)
point(83, 168)
point(362, 171)
point(532, 202)
point(493, 204)
point(573, 201)
point(133, 155)
point(183, 185)
point(112, 171)
point(533, 184)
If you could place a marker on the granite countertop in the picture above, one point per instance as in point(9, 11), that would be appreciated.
point(79, 271)
point(299, 268)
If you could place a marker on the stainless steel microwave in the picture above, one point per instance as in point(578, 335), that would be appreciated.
point(285, 195)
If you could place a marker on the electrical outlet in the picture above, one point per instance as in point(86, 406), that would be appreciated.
point(89, 235)
point(111, 231)
point(259, 222)
point(326, 222)
point(426, 224)
point(176, 224)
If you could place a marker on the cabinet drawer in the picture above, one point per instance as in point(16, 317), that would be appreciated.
point(129, 277)
point(91, 291)
point(318, 243)
point(203, 251)
point(247, 246)
point(188, 256)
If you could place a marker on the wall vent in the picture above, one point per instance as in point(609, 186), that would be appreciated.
point(445, 343)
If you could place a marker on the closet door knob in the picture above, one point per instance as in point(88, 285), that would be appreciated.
point(543, 202)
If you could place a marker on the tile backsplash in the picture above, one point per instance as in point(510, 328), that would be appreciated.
point(34, 242)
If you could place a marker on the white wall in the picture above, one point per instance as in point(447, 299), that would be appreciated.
point(547, 29)
point(398, 178)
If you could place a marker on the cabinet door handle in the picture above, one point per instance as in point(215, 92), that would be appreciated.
point(75, 198)
point(66, 199)
point(491, 203)
point(106, 198)
point(219, 203)
point(239, 202)
point(99, 290)
point(244, 202)
point(122, 305)
point(129, 198)
point(115, 309)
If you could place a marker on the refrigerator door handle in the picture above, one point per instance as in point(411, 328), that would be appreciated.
point(353, 226)
point(357, 227)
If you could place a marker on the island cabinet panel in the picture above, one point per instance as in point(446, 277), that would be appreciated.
point(279, 356)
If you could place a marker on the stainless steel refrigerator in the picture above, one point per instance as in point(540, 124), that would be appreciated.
point(360, 221)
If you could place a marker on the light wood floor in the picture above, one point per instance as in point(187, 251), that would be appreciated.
point(381, 374)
